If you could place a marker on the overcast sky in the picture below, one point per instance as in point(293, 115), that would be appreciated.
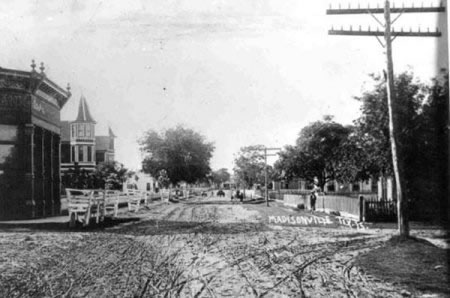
point(241, 72)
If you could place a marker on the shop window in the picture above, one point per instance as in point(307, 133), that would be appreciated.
point(72, 156)
point(8, 133)
point(6, 153)
point(9, 162)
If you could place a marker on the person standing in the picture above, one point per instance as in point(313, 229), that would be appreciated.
point(314, 193)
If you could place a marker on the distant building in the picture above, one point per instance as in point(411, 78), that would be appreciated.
point(79, 144)
point(331, 186)
point(104, 147)
point(141, 181)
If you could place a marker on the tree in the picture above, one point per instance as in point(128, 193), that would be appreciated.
point(163, 179)
point(317, 152)
point(249, 166)
point(372, 127)
point(111, 175)
point(429, 173)
point(220, 176)
point(421, 118)
point(107, 175)
point(183, 153)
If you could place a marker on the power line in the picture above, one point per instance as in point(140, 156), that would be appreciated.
point(389, 35)
point(265, 149)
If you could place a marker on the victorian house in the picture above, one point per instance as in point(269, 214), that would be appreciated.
point(80, 147)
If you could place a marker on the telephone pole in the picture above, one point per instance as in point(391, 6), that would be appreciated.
point(266, 189)
point(389, 36)
point(265, 150)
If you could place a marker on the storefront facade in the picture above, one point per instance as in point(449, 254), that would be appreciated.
point(30, 107)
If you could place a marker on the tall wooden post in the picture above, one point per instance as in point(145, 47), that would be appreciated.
point(403, 227)
point(401, 203)
point(265, 177)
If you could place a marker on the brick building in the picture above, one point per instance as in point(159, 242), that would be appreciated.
point(30, 105)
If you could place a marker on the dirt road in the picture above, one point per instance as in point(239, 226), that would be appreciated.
point(200, 248)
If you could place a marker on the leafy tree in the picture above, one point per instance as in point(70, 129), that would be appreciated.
point(428, 164)
point(163, 179)
point(78, 178)
point(372, 128)
point(220, 176)
point(317, 152)
point(108, 175)
point(183, 153)
point(111, 175)
point(421, 118)
point(249, 166)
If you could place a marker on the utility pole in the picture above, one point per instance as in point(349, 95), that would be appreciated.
point(266, 189)
point(265, 150)
point(389, 36)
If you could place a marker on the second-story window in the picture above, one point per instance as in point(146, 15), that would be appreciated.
point(80, 130)
point(74, 130)
point(88, 130)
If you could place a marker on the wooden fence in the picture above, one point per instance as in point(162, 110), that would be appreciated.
point(362, 206)
point(345, 205)
point(384, 210)
point(279, 194)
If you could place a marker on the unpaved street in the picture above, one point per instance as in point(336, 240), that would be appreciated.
point(205, 247)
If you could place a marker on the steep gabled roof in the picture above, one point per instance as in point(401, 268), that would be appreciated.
point(111, 134)
point(83, 112)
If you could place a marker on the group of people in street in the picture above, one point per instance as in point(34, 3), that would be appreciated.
point(237, 195)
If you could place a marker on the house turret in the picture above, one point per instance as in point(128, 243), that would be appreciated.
point(82, 137)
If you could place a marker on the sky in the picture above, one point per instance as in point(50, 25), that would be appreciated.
point(240, 72)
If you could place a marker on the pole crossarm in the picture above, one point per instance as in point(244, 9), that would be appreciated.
point(389, 34)
point(381, 33)
point(341, 11)
point(265, 149)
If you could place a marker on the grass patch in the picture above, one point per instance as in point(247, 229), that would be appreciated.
point(414, 263)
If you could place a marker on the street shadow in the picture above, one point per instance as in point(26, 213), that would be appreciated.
point(64, 226)
point(165, 227)
point(227, 202)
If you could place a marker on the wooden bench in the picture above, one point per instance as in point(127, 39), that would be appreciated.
point(84, 205)
point(165, 195)
point(112, 202)
point(134, 199)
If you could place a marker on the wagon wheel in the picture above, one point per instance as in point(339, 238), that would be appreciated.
point(73, 220)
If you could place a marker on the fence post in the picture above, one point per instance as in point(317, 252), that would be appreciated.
point(362, 215)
